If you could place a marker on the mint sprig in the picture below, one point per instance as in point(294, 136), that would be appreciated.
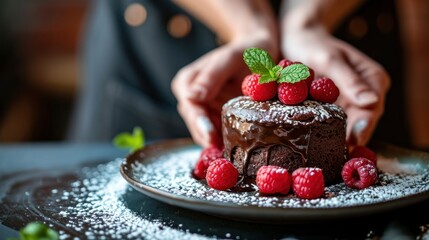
point(129, 141)
point(260, 62)
point(294, 73)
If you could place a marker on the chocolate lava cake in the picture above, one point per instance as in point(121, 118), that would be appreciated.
point(311, 134)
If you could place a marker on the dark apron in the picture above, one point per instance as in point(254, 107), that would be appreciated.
point(127, 71)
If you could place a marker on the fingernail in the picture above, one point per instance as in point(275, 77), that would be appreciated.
point(205, 126)
point(367, 98)
point(197, 93)
point(359, 126)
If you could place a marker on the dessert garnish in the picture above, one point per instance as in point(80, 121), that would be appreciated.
point(359, 173)
point(285, 62)
point(324, 90)
point(258, 92)
point(132, 141)
point(292, 93)
point(273, 179)
point(260, 62)
point(293, 80)
point(36, 231)
point(308, 182)
point(221, 174)
point(207, 156)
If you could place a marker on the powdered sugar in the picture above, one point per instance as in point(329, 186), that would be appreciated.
point(97, 209)
point(274, 111)
point(100, 212)
point(171, 173)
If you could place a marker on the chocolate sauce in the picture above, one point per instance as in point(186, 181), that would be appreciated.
point(312, 134)
point(245, 185)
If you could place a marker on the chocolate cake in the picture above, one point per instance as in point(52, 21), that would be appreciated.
point(311, 134)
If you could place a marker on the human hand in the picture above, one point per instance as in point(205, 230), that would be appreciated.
point(363, 83)
point(197, 88)
point(202, 87)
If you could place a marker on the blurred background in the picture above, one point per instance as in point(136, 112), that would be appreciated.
point(40, 65)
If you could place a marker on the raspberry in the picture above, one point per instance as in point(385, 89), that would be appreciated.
point(310, 78)
point(292, 93)
point(245, 83)
point(359, 173)
point(256, 91)
point(363, 152)
point(221, 174)
point(273, 179)
point(324, 90)
point(284, 63)
point(308, 182)
point(207, 156)
point(200, 169)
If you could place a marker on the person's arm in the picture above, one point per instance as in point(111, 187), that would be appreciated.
point(323, 13)
point(232, 20)
point(363, 83)
point(204, 85)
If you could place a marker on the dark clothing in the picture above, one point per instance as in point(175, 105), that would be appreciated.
point(128, 70)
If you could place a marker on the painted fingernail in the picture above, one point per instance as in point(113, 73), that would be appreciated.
point(359, 126)
point(205, 126)
point(367, 98)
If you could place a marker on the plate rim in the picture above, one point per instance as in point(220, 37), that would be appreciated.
point(250, 212)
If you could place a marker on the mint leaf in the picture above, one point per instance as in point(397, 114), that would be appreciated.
point(38, 231)
point(258, 61)
point(276, 70)
point(294, 73)
point(129, 141)
point(271, 76)
point(266, 78)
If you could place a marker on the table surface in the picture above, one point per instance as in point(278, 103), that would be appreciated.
point(25, 167)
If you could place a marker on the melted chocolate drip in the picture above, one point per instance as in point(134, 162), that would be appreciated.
point(313, 135)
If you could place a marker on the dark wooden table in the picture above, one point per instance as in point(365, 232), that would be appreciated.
point(28, 169)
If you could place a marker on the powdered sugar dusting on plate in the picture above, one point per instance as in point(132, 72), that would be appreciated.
point(100, 212)
point(171, 172)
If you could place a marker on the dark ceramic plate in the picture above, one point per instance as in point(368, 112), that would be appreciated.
point(163, 172)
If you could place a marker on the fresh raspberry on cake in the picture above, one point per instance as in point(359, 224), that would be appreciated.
point(363, 152)
point(207, 156)
point(359, 173)
point(308, 183)
point(285, 62)
point(245, 83)
point(324, 90)
point(292, 93)
point(273, 179)
point(221, 174)
point(257, 91)
point(310, 78)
